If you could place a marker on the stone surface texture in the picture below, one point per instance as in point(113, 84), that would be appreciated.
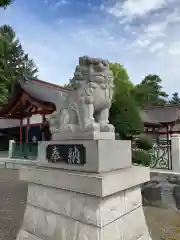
point(100, 213)
point(100, 185)
point(101, 155)
point(163, 190)
point(175, 142)
point(100, 200)
point(58, 214)
point(86, 108)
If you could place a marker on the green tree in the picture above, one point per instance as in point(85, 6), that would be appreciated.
point(5, 3)
point(149, 91)
point(175, 98)
point(124, 113)
point(121, 79)
point(13, 62)
point(68, 85)
point(141, 153)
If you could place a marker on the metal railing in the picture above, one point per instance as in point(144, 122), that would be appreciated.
point(161, 154)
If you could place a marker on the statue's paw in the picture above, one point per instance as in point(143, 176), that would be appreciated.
point(54, 130)
point(92, 127)
point(67, 128)
point(106, 128)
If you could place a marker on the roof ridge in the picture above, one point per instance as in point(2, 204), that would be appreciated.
point(162, 106)
point(48, 84)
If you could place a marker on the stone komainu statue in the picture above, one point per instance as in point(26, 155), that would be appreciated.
point(86, 108)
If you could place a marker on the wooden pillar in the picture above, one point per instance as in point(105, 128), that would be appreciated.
point(167, 132)
point(51, 137)
point(20, 133)
point(27, 129)
point(42, 127)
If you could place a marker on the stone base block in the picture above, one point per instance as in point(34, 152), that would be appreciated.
point(101, 155)
point(99, 213)
point(56, 214)
point(84, 136)
point(100, 185)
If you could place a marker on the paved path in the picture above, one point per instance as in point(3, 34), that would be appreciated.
point(12, 205)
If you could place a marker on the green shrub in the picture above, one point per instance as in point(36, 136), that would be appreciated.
point(141, 157)
point(144, 143)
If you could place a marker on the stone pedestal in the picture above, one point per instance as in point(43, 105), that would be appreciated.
point(100, 155)
point(66, 204)
point(84, 187)
point(175, 142)
point(10, 152)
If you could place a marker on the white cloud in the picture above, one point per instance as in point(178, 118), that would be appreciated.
point(157, 47)
point(56, 49)
point(156, 29)
point(143, 43)
point(160, 32)
point(60, 21)
point(173, 17)
point(135, 8)
point(62, 2)
point(174, 48)
point(102, 6)
point(58, 4)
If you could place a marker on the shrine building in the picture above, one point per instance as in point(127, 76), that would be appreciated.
point(23, 118)
point(161, 121)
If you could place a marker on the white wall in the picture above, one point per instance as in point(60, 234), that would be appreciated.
point(9, 123)
point(34, 119)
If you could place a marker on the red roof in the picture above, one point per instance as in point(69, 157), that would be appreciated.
point(23, 96)
point(48, 84)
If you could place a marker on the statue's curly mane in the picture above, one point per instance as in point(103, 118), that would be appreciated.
point(89, 68)
point(86, 107)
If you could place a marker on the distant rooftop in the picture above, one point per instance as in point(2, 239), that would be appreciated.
point(41, 90)
point(162, 114)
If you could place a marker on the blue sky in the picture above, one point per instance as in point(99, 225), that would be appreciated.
point(143, 35)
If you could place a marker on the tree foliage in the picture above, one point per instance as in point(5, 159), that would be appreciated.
point(121, 79)
point(149, 91)
point(175, 98)
point(5, 3)
point(68, 85)
point(14, 62)
point(124, 113)
point(144, 142)
point(141, 157)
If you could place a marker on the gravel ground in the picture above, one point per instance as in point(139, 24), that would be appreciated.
point(164, 224)
point(12, 204)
